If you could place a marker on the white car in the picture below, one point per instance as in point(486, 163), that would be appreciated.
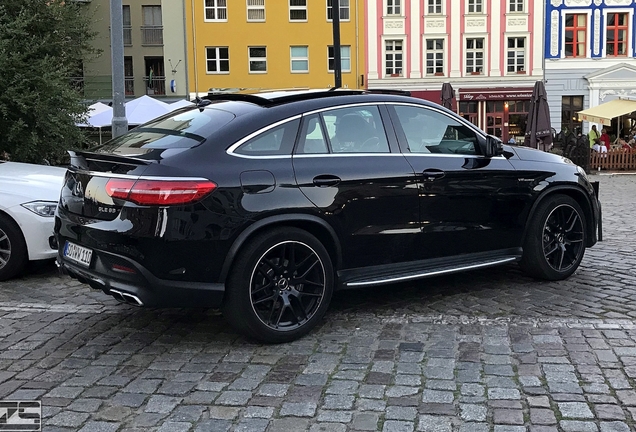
point(28, 198)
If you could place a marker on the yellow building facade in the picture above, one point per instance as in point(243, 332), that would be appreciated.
point(271, 44)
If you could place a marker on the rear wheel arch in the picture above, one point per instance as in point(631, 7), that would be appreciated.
point(575, 193)
point(312, 224)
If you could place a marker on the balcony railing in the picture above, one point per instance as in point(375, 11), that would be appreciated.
point(129, 86)
point(152, 35)
point(127, 35)
point(156, 85)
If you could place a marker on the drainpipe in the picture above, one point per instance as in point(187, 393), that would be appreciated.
point(357, 49)
point(185, 53)
point(194, 50)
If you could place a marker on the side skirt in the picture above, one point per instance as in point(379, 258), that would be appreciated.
point(402, 272)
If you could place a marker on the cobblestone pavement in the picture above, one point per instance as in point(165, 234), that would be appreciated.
point(485, 351)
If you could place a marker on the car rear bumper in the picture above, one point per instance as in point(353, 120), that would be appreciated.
point(137, 286)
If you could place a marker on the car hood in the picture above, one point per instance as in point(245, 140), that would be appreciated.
point(531, 154)
point(30, 182)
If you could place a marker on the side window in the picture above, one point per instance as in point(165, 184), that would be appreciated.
point(276, 141)
point(429, 131)
point(312, 137)
point(356, 130)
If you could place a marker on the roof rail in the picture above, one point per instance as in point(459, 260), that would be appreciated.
point(275, 97)
point(390, 92)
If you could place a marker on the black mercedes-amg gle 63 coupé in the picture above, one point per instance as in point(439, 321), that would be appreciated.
point(264, 204)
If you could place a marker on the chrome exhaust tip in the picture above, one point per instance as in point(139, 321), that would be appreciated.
point(118, 296)
point(132, 299)
point(127, 298)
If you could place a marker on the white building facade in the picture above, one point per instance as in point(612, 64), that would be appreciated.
point(491, 51)
point(590, 57)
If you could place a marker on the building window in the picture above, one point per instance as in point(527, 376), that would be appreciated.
point(257, 59)
point(475, 56)
point(256, 10)
point(299, 59)
point(516, 54)
point(298, 10)
point(515, 5)
point(616, 35)
point(570, 106)
point(393, 58)
point(435, 57)
point(344, 10)
point(575, 35)
point(393, 7)
point(129, 76)
point(434, 6)
point(475, 6)
point(127, 25)
point(345, 58)
point(469, 111)
point(215, 10)
point(217, 59)
point(152, 30)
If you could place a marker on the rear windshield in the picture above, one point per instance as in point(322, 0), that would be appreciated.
point(182, 130)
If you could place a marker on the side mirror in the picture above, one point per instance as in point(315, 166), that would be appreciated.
point(494, 147)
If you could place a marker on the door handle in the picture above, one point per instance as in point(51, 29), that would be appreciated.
point(326, 180)
point(433, 174)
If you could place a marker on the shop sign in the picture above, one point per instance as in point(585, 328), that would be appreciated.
point(479, 95)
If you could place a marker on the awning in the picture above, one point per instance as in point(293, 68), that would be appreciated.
point(604, 113)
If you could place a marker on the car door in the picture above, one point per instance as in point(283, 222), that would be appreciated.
point(352, 170)
point(468, 203)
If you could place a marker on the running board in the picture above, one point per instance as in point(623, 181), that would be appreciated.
point(422, 270)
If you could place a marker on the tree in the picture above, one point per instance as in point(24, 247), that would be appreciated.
point(42, 42)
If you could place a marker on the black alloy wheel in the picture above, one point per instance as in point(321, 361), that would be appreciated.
point(563, 238)
point(555, 241)
point(287, 285)
point(280, 286)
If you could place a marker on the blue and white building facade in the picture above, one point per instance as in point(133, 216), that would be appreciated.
point(590, 56)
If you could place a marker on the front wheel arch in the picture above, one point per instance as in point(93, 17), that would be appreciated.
point(577, 195)
point(19, 250)
point(556, 241)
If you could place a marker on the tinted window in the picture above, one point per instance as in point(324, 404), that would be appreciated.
point(312, 137)
point(429, 131)
point(275, 141)
point(183, 130)
point(356, 130)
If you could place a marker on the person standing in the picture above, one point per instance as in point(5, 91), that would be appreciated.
point(605, 141)
point(594, 137)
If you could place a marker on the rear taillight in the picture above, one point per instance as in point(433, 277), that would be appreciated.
point(159, 192)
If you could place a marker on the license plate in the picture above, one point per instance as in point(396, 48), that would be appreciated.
point(79, 254)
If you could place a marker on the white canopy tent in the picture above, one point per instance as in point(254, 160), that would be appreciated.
point(138, 111)
point(180, 104)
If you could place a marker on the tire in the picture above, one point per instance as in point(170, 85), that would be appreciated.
point(555, 241)
point(279, 287)
point(13, 251)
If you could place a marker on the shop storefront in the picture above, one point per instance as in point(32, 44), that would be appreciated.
point(499, 112)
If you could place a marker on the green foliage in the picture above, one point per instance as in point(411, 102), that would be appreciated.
point(42, 42)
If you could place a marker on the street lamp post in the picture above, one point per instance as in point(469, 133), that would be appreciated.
point(337, 59)
point(119, 122)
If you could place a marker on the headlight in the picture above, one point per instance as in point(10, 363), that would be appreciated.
point(582, 172)
point(42, 208)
